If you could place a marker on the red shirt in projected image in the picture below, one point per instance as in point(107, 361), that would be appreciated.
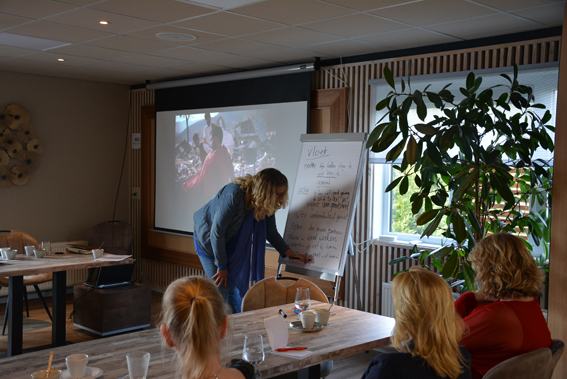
point(501, 330)
point(217, 171)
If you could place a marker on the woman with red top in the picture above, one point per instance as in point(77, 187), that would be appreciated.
point(503, 318)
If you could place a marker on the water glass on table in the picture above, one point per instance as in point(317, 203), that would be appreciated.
point(138, 363)
point(253, 350)
point(302, 299)
point(47, 247)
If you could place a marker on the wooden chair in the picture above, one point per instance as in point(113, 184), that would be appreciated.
point(17, 240)
point(116, 237)
point(271, 291)
point(535, 364)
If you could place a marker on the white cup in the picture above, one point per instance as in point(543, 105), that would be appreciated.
point(97, 253)
point(39, 253)
point(2, 251)
point(322, 315)
point(138, 363)
point(10, 254)
point(77, 365)
point(307, 319)
point(29, 250)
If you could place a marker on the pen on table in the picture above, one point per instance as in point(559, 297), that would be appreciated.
point(282, 349)
point(282, 313)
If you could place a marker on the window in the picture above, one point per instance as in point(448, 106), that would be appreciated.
point(391, 213)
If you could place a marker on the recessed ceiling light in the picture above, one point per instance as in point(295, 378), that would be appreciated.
point(176, 37)
point(104, 22)
point(61, 60)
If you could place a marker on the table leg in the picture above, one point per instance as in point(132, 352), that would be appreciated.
point(59, 308)
point(15, 315)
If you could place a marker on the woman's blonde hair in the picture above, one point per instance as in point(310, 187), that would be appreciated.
point(193, 311)
point(425, 312)
point(505, 267)
point(260, 190)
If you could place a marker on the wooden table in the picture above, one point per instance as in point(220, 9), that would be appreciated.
point(58, 264)
point(349, 332)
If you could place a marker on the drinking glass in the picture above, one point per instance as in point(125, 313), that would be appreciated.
point(302, 299)
point(47, 247)
point(138, 363)
point(253, 350)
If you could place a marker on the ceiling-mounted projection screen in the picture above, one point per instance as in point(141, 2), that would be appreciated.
point(208, 134)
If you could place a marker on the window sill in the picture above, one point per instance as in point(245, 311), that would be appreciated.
point(408, 244)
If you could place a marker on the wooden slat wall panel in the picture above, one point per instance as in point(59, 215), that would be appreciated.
point(371, 265)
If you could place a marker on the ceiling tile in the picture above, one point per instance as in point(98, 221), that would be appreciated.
point(149, 60)
point(57, 32)
point(13, 52)
point(229, 24)
point(80, 3)
point(366, 5)
point(89, 19)
point(237, 46)
point(346, 48)
point(408, 38)
point(198, 69)
point(289, 56)
point(49, 57)
point(150, 34)
point(135, 45)
point(8, 21)
point(550, 15)
point(355, 26)
point(512, 5)
point(28, 67)
point(115, 66)
point(35, 9)
point(237, 61)
point(486, 26)
point(87, 51)
point(155, 10)
point(191, 54)
point(434, 12)
point(292, 37)
point(293, 12)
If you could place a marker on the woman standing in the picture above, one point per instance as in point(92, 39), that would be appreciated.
point(240, 217)
point(503, 319)
point(194, 323)
point(427, 332)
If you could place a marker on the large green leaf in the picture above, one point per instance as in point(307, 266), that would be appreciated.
point(385, 141)
point(441, 252)
point(404, 184)
point(459, 227)
point(383, 103)
point(427, 216)
point(468, 274)
point(412, 151)
point(433, 225)
point(394, 183)
point(426, 129)
point(465, 185)
point(389, 77)
point(398, 260)
point(502, 188)
point(451, 266)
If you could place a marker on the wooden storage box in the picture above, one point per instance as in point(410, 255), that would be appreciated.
point(112, 310)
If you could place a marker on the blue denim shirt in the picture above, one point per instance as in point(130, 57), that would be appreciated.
point(218, 220)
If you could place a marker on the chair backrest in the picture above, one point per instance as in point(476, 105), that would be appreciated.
point(118, 237)
point(270, 292)
point(535, 364)
point(16, 240)
point(557, 348)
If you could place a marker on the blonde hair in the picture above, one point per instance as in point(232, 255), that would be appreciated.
point(425, 312)
point(260, 192)
point(505, 267)
point(193, 311)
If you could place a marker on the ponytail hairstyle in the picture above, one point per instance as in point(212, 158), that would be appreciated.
point(193, 311)
point(260, 192)
point(425, 313)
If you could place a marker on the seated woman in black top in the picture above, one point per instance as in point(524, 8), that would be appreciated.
point(194, 322)
point(427, 332)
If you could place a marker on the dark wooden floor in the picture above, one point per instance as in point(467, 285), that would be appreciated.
point(37, 334)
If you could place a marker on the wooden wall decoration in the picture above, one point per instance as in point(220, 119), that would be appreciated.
point(329, 111)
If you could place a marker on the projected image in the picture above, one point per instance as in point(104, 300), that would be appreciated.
point(200, 151)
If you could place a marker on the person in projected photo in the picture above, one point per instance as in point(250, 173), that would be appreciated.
point(503, 318)
point(194, 323)
point(240, 218)
point(199, 149)
point(217, 171)
point(426, 334)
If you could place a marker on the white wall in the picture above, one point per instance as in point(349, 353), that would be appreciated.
point(82, 126)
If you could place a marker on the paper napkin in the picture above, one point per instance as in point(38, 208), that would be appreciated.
point(279, 336)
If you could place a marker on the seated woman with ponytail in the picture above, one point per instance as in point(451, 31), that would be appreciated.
point(193, 323)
